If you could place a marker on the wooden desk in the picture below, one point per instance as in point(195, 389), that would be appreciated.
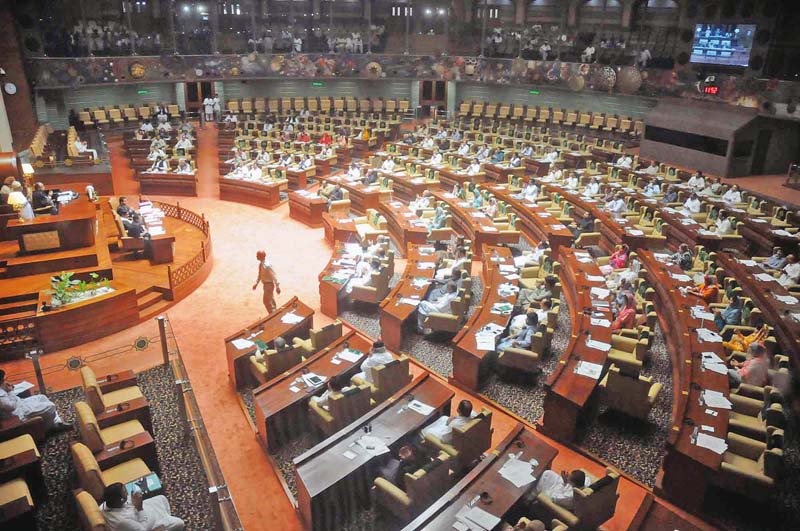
point(408, 187)
point(404, 225)
point(537, 223)
point(307, 207)
point(778, 314)
point(686, 468)
point(331, 487)
point(678, 232)
point(267, 330)
point(452, 176)
point(74, 224)
point(485, 478)
point(330, 288)
point(502, 173)
point(260, 194)
point(282, 414)
point(567, 405)
point(140, 445)
point(537, 167)
point(339, 228)
point(362, 197)
point(475, 225)
point(168, 184)
point(160, 249)
point(298, 178)
point(469, 362)
point(394, 314)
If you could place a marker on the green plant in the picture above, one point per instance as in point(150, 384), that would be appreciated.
point(63, 287)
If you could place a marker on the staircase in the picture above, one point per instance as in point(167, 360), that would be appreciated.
point(151, 302)
point(18, 325)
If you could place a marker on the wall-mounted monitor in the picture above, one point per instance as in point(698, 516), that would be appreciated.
point(723, 44)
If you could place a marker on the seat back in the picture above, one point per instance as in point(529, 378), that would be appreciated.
point(627, 393)
point(597, 503)
point(390, 378)
point(473, 439)
point(326, 335)
point(92, 390)
point(90, 477)
point(89, 512)
point(426, 485)
point(87, 426)
point(350, 404)
point(282, 360)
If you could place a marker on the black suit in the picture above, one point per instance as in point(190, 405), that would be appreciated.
point(41, 199)
point(124, 211)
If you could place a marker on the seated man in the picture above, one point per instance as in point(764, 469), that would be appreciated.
point(460, 260)
point(160, 166)
point(730, 315)
point(442, 428)
point(378, 356)
point(671, 196)
point(123, 209)
point(436, 157)
point(697, 181)
point(515, 161)
point(616, 205)
point(733, 195)
point(723, 225)
point(337, 194)
point(133, 513)
point(776, 261)
point(83, 147)
point(683, 257)
point(543, 290)
point(524, 337)
point(708, 290)
point(692, 205)
point(474, 167)
point(754, 370)
point(335, 385)
point(41, 199)
point(441, 305)
point(561, 488)
point(410, 460)
point(652, 169)
point(498, 156)
point(584, 224)
point(26, 408)
point(184, 168)
point(790, 272)
point(651, 189)
point(134, 226)
point(592, 189)
point(184, 142)
point(371, 177)
point(388, 164)
point(441, 290)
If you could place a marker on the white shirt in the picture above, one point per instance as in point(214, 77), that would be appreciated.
point(375, 359)
point(388, 165)
point(651, 170)
point(185, 170)
point(428, 143)
point(306, 163)
point(625, 162)
point(692, 205)
point(550, 157)
point(732, 196)
point(463, 149)
point(184, 144)
point(147, 127)
point(473, 169)
point(724, 226)
point(442, 428)
point(791, 274)
point(436, 158)
point(616, 206)
point(652, 189)
point(697, 182)
point(354, 173)
point(592, 189)
point(572, 183)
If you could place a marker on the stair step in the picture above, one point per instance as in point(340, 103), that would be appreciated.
point(154, 310)
point(148, 300)
point(18, 313)
point(140, 294)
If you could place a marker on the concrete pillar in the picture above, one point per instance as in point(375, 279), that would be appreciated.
point(572, 13)
point(415, 94)
point(6, 139)
point(451, 98)
point(219, 90)
point(40, 104)
point(180, 96)
point(627, 13)
point(520, 12)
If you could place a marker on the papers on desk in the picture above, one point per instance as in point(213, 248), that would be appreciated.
point(448, 195)
point(796, 317)
point(598, 345)
point(600, 293)
point(485, 338)
point(512, 276)
point(506, 290)
point(782, 232)
point(605, 323)
point(747, 263)
point(661, 257)
point(21, 387)
point(714, 363)
point(421, 408)
point(699, 312)
point(476, 519)
point(588, 369)
point(507, 268)
point(242, 344)
point(373, 445)
point(543, 214)
point(489, 228)
point(410, 302)
point(426, 265)
point(352, 249)
point(787, 299)
point(294, 389)
point(420, 283)
point(705, 232)
point(427, 250)
point(681, 277)
point(478, 215)
point(313, 380)
point(585, 260)
point(518, 472)
point(765, 277)
point(291, 318)
point(501, 308)
point(715, 399)
point(464, 204)
point(345, 220)
point(595, 278)
point(708, 336)
point(635, 232)
point(349, 356)
point(350, 455)
point(715, 444)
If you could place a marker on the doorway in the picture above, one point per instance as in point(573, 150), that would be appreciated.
point(432, 94)
point(196, 92)
point(760, 155)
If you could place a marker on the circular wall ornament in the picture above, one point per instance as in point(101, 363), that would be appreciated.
point(10, 88)
point(137, 70)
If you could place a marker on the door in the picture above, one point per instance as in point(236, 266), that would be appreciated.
point(196, 92)
point(760, 155)
point(432, 94)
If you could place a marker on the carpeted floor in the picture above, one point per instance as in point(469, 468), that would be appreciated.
point(181, 470)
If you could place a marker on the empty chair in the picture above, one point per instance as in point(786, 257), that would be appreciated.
point(98, 400)
point(526, 360)
point(16, 491)
point(98, 439)
point(268, 364)
point(750, 467)
point(627, 352)
point(371, 226)
point(629, 393)
point(94, 480)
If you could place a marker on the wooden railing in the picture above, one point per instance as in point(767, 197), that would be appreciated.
point(183, 279)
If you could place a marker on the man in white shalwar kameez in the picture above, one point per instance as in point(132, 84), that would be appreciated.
point(30, 407)
point(132, 513)
point(377, 356)
point(441, 305)
point(442, 428)
point(561, 487)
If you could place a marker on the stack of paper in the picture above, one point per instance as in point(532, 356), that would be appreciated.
point(681, 277)
point(765, 277)
point(714, 363)
point(600, 293)
point(585, 260)
point(242, 344)
point(349, 355)
point(596, 278)
point(426, 265)
point(475, 519)
point(699, 312)
point(715, 399)
point(787, 299)
point(501, 308)
point(588, 369)
point(708, 336)
point(604, 323)
point(420, 282)
point(373, 445)
point(715, 444)
point(507, 268)
point(598, 345)
point(411, 302)
point(518, 472)
point(420, 407)
point(748, 263)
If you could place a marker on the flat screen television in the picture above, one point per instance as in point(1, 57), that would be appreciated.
point(723, 44)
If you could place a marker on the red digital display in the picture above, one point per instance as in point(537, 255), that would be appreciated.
point(711, 89)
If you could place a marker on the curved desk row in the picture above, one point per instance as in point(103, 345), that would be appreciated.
point(307, 207)
point(395, 313)
point(687, 468)
point(405, 227)
point(362, 197)
point(168, 184)
point(470, 363)
point(567, 403)
point(261, 194)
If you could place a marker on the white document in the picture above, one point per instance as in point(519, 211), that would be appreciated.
point(680, 277)
point(489, 228)
point(482, 518)
point(349, 356)
point(715, 444)
point(708, 336)
point(350, 455)
point(715, 399)
point(518, 472)
point(558, 226)
point(765, 277)
point(484, 341)
point(512, 276)
point(709, 429)
point(420, 283)
point(699, 312)
point(291, 318)
point(420, 407)
point(588, 369)
point(595, 278)
point(294, 389)
point(426, 265)
point(336, 361)
point(600, 293)
point(21, 387)
point(410, 302)
point(604, 323)
point(748, 263)
point(787, 299)
point(242, 344)
point(373, 445)
point(507, 268)
point(598, 345)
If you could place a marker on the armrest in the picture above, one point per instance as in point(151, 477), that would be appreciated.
point(516, 351)
point(434, 441)
point(387, 489)
point(554, 510)
point(325, 416)
point(114, 381)
point(652, 396)
point(746, 405)
point(114, 454)
point(137, 409)
point(764, 480)
point(13, 427)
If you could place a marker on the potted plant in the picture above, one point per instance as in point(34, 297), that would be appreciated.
point(66, 290)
